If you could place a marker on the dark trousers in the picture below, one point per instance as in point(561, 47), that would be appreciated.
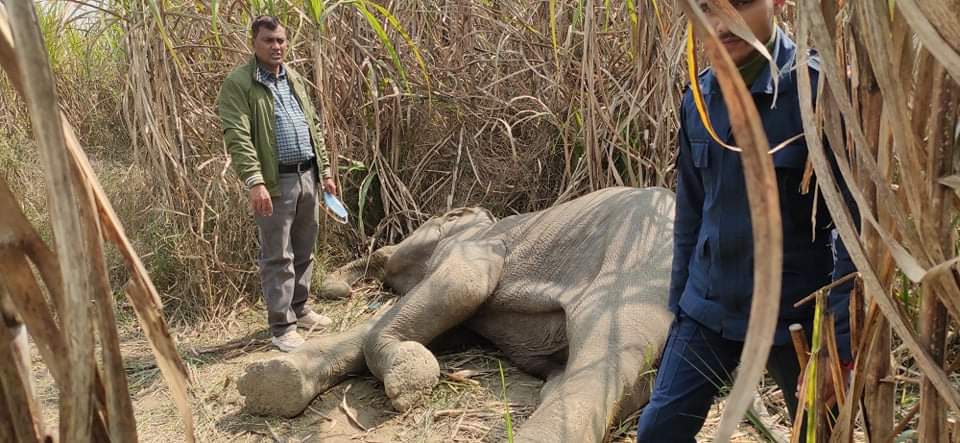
point(698, 364)
point(287, 240)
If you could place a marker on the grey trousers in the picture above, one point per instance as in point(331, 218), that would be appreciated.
point(287, 240)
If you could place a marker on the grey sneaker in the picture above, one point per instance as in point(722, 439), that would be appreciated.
point(313, 320)
point(288, 342)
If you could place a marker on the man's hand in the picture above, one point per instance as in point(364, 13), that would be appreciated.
point(260, 201)
point(828, 394)
point(330, 186)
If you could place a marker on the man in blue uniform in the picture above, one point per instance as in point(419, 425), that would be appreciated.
point(712, 278)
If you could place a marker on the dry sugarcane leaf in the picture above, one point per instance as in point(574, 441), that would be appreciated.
point(844, 224)
point(7, 57)
point(349, 411)
point(932, 36)
point(843, 429)
point(833, 357)
point(933, 333)
point(874, 27)
point(941, 152)
point(6, 421)
point(25, 294)
point(765, 216)
point(808, 12)
point(116, 394)
point(951, 181)
point(15, 378)
point(16, 234)
point(25, 415)
point(114, 401)
point(940, 269)
point(945, 16)
point(909, 264)
point(168, 360)
point(464, 376)
point(147, 303)
point(37, 315)
point(940, 295)
point(878, 396)
point(62, 190)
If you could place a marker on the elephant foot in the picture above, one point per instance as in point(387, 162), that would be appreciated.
point(276, 387)
point(333, 289)
point(412, 372)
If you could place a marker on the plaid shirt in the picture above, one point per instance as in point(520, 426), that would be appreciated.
point(293, 135)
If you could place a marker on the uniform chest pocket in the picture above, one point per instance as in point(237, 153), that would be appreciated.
point(789, 164)
point(700, 153)
point(793, 156)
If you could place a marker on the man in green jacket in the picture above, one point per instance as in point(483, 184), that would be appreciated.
point(270, 128)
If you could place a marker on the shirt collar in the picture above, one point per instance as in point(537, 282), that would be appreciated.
point(263, 74)
point(784, 51)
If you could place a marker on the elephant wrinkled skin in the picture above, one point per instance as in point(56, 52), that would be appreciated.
point(575, 294)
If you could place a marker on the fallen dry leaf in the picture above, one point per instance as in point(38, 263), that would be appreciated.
point(349, 411)
point(464, 376)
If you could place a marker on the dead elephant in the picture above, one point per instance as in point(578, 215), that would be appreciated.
point(575, 294)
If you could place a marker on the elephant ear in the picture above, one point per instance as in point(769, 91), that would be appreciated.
point(461, 220)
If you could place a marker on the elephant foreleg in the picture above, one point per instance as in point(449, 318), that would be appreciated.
point(460, 280)
point(285, 385)
point(597, 387)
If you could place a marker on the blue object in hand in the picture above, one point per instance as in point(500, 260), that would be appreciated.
point(335, 208)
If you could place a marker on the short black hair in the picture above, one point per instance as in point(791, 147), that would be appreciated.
point(264, 21)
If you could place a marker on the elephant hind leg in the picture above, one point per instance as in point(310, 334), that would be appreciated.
point(463, 278)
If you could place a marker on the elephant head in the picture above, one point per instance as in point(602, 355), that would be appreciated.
point(403, 265)
point(408, 262)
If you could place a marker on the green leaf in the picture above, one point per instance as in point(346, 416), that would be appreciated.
point(632, 12)
point(362, 199)
point(384, 39)
point(215, 21)
point(506, 403)
point(396, 25)
point(164, 35)
point(317, 9)
point(552, 11)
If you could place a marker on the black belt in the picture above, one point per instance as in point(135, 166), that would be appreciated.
point(305, 165)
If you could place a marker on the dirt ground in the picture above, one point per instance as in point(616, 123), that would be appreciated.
point(468, 405)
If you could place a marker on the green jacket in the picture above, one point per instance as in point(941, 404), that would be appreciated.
point(246, 112)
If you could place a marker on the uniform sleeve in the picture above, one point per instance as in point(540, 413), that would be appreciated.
point(688, 216)
point(839, 297)
point(234, 112)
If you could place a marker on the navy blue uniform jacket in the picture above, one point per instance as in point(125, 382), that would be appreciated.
point(712, 278)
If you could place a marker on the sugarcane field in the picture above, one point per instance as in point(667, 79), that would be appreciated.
point(557, 221)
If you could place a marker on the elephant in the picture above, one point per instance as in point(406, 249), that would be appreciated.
point(575, 294)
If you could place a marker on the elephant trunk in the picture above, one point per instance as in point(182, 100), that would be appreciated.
point(336, 285)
